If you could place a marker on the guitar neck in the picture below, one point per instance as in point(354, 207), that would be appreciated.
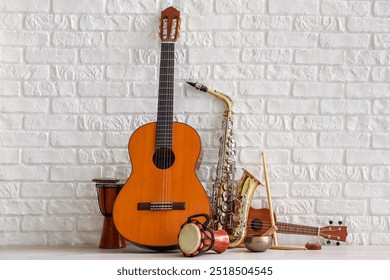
point(165, 96)
point(297, 229)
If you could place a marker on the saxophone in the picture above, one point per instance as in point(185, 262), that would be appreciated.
point(230, 202)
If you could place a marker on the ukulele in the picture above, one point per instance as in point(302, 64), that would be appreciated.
point(259, 222)
point(163, 188)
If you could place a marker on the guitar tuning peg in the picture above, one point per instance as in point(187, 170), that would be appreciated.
point(340, 223)
point(328, 242)
point(338, 243)
point(330, 222)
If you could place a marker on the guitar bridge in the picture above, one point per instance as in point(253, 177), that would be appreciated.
point(161, 206)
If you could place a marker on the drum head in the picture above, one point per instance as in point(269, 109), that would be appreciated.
point(189, 239)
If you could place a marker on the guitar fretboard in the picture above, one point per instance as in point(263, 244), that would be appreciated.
point(165, 96)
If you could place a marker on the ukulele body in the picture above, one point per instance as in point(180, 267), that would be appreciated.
point(174, 181)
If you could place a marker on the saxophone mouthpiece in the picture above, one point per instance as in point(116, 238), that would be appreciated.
point(198, 86)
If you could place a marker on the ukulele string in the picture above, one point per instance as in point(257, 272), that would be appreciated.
point(297, 229)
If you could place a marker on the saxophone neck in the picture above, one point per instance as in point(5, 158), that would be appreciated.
point(228, 101)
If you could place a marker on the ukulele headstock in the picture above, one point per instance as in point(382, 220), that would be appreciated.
point(337, 233)
point(169, 25)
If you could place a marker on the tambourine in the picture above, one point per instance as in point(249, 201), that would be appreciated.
point(196, 238)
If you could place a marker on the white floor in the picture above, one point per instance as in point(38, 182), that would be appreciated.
point(343, 252)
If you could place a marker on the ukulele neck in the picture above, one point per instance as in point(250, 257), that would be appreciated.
point(297, 229)
point(165, 96)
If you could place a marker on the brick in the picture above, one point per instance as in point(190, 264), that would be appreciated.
point(254, 22)
point(316, 189)
point(318, 122)
point(105, 123)
point(291, 106)
point(43, 88)
point(10, 88)
point(368, 90)
point(309, 56)
point(313, 89)
point(213, 56)
point(317, 155)
point(224, 22)
point(292, 39)
point(368, 123)
point(343, 139)
point(365, 223)
point(343, 74)
point(22, 207)
point(241, 6)
point(293, 206)
point(25, 6)
point(50, 22)
point(293, 7)
point(50, 122)
point(11, 121)
point(364, 57)
point(290, 139)
point(50, 56)
point(118, 139)
point(341, 40)
point(78, 6)
point(377, 25)
point(380, 206)
point(338, 206)
point(320, 23)
point(267, 55)
point(23, 139)
point(253, 157)
point(354, 8)
point(49, 156)
point(101, 22)
point(78, 72)
point(293, 72)
point(367, 190)
point(132, 6)
point(23, 173)
point(9, 224)
point(380, 173)
point(368, 157)
point(10, 21)
point(10, 55)
point(337, 173)
point(9, 189)
point(44, 224)
point(239, 39)
point(24, 72)
point(248, 139)
point(76, 139)
point(131, 39)
point(350, 107)
point(73, 173)
point(40, 190)
point(248, 105)
point(103, 89)
point(381, 40)
point(381, 107)
point(24, 38)
point(264, 88)
point(103, 156)
point(265, 122)
point(24, 105)
point(193, 72)
point(115, 56)
point(131, 72)
point(9, 156)
point(72, 206)
point(195, 39)
point(382, 8)
point(380, 140)
point(77, 39)
point(288, 172)
point(381, 74)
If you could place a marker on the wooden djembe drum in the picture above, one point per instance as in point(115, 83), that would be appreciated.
point(107, 191)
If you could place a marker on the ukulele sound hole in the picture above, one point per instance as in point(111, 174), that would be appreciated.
point(256, 224)
point(163, 158)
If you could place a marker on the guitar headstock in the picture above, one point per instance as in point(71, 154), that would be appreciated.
point(338, 233)
point(169, 24)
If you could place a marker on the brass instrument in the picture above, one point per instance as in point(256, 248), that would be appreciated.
point(230, 202)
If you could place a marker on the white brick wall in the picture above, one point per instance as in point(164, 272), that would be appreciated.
point(309, 80)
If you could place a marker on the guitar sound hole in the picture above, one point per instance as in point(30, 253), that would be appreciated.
point(256, 224)
point(163, 158)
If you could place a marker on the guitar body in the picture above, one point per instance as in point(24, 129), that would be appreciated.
point(172, 180)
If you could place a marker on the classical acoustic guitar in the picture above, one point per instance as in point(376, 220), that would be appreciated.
point(163, 188)
point(259, 221)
